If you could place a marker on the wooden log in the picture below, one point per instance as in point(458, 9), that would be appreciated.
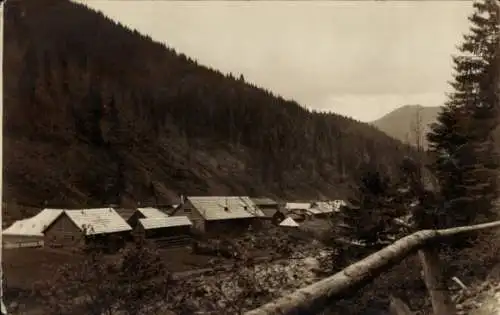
point(435, 281)
point(313, 298)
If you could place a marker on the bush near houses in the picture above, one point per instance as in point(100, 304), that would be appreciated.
point(137, 281)
point(133, 282)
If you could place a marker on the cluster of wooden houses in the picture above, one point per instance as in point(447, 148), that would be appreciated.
point(173, 224)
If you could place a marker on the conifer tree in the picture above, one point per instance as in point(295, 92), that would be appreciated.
point(369, 217)
point(461, 143)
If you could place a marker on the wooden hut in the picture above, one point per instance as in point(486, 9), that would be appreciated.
point(220, 214)
point(101, 227)
point(165, 231)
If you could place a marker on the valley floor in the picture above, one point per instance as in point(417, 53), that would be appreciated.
point(23, 267)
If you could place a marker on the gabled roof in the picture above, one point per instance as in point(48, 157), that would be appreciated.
point(156, 223)
point(150, 212)
point(34, 226)
point(289, 222)
point(264, 201)
point(224, 208)
point(98, 221)
point(297, 205)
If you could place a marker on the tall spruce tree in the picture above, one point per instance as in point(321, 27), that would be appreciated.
point(461, 142)
point(370, 214)
point(368, 221)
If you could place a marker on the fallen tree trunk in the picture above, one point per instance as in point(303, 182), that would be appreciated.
point(315, 297)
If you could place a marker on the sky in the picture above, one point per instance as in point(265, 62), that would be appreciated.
point(359, 59)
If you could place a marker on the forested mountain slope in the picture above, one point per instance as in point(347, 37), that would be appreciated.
point(96, 113)
point(401, 122)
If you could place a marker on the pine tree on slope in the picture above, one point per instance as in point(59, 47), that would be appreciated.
point(372, 210)
point(461, 143)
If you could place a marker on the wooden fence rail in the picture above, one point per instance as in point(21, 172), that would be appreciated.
point(313, 298)
point(12, 245)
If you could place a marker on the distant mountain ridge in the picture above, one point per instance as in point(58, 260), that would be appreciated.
point(400, 123)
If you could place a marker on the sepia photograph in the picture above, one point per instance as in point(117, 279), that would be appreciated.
point(250, 157)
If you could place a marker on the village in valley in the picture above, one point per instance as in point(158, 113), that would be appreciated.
point(197, 236)
point(161, 158)
point(171, 225)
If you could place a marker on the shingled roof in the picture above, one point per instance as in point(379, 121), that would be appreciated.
point(98, 221)
point(289, 222)
point(264, 201)
point(157, 223)
point(34, 226)
point(225, 208)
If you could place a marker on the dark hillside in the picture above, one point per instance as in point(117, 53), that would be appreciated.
point(97, 113)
